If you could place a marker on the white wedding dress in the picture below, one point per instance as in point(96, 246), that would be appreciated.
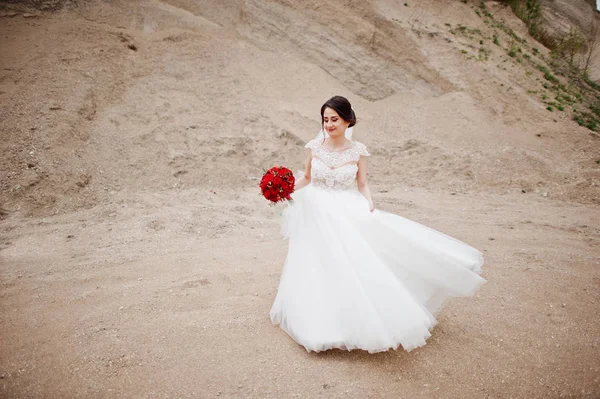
point(354, 279)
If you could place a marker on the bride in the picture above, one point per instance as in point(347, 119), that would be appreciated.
point(356, 277)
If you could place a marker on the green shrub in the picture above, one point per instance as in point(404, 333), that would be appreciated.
point(591, 83)
point(551, 78)
point(595, 108)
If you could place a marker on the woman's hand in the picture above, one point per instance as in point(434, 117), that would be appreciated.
point(371, 206)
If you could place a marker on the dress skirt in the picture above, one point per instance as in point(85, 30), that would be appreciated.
point(353, 279)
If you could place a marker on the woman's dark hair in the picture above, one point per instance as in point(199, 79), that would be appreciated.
point(342, 106)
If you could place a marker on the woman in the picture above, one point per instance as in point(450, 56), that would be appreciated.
point(356, 277)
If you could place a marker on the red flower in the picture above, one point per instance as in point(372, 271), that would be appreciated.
point(277, 184)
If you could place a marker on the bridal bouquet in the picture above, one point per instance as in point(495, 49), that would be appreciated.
point(277, 184)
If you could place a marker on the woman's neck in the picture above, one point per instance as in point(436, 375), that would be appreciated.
point(337, 142)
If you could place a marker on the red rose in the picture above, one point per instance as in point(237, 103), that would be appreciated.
point(277, 184)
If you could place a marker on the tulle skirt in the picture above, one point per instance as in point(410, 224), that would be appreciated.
point(353, 279)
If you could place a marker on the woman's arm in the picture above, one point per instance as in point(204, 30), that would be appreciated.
point(361, 180)
point(305, 179)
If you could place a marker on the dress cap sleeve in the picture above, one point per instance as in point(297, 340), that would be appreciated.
point(312, 144)
point(362, 149)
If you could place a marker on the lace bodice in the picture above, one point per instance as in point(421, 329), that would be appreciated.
point(335, 169)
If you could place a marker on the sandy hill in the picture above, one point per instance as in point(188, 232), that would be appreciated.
point(209, 86)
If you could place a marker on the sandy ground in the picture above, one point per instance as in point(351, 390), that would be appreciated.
point(138, 260)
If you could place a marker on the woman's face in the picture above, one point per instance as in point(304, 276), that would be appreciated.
point(333, 124)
